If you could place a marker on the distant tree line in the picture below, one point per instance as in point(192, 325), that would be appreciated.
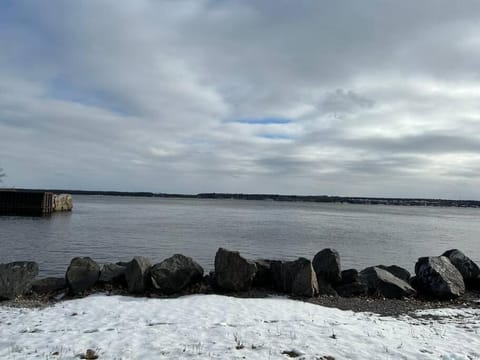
point(278, 197)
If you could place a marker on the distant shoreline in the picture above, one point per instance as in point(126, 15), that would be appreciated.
point(286, 198)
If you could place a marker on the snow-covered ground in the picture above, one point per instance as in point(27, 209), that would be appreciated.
point(219, 327)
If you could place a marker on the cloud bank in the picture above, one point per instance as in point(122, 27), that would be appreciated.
point(307, 97)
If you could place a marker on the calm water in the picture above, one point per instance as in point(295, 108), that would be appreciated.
point(110, 229)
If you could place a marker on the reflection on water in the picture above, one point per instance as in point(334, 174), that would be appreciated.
point(117, 228)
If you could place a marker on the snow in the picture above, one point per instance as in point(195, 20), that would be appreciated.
point(219, 327)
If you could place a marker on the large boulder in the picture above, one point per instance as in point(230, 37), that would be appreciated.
point(349, 276)
point(112, 274)
point(326, 264)
point(397, 271)
point(82, 274)
point(383, 283)
point(469, 270)
point(263, 276)
point(232, 271)
point(137, 275)
point(295, 277)
point(325, 288)
point(175, 273)
point(475, 283)
point(350, 284)
point(436, 276)
point(355, 288)
point(49, 285)
point(16, 278)
point(278, 275)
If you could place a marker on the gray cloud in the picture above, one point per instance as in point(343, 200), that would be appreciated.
point(145, 95)
point(340, 101)
point(419, 144)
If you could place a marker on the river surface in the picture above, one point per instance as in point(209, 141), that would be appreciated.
point(111, 229)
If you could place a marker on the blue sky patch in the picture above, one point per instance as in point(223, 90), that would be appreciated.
point(275, 136)
point(264, 121)
point(65, 90)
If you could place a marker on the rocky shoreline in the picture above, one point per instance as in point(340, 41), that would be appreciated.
point(450, 280)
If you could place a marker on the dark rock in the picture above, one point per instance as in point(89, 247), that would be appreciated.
point(82, 274)
point(397, 271)
point(352, 289)
point(474, 284)
point(232, 271)
point(89, 355)
point(327, 266)
point(278, 276)
point(325, 288)
point(350, 285)
point(49, 285)
point(263, 276)
point(383, 283)
point(469, 270)
point(112, 274)
point(436, 276)
point(295, 277)
point(413, 281)
point(137, 275)
point(292, 353)
point(349, 276)
point(16, 278)
point(211, 280)
point(175, 273)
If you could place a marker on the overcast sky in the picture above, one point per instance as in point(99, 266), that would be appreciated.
point(361, 98)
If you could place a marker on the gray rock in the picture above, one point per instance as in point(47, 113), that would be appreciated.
point(16, 278)
point(82, 274)
point(263, 276)
point(469, 270)
point(436, 276)
point(326, 264)
point(383, 283)
point(349, 276)
point(175, 273)
point(305, 281)
point(112, 274)
point(232, 271)
point(137, 275)
point(49, 285)
point(397, 271)
point(352, 289)
point(295, 277)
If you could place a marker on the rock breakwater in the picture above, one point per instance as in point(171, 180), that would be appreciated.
point(436, 277)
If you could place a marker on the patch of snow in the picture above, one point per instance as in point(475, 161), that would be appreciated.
point(449, 312)
point(219, 327)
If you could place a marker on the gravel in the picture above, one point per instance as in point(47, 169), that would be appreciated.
point(396, 307)
point(380, 306)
